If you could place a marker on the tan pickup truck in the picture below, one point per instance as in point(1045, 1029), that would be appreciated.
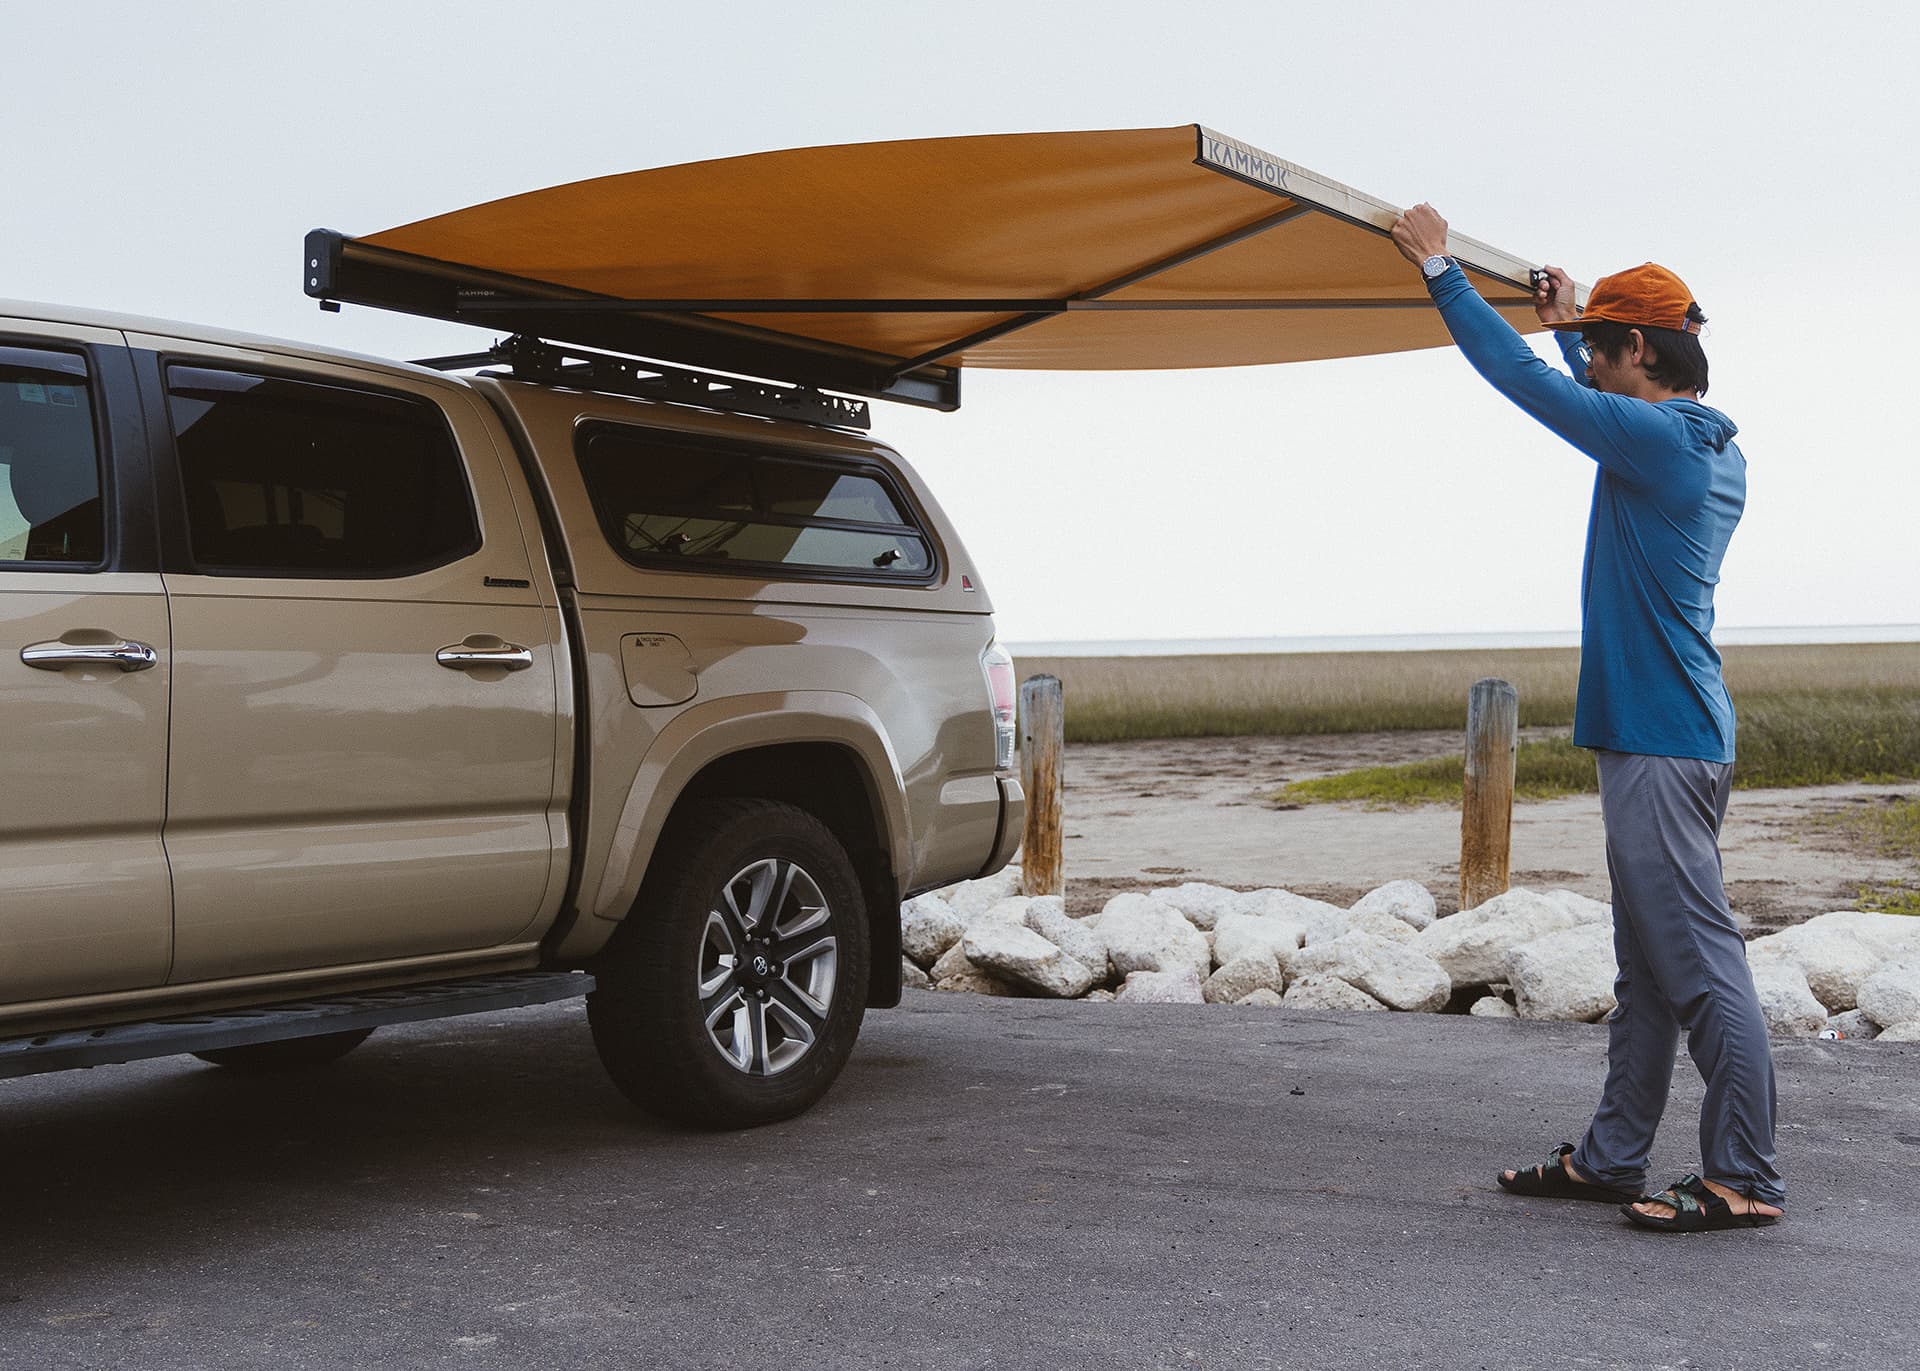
point(340, 692)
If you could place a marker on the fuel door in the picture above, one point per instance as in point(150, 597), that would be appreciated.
point(659, 669)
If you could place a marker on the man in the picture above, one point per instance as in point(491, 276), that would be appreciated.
point(1669, 490)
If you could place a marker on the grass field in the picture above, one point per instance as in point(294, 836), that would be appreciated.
point(1113, 698)
point(1809, 715)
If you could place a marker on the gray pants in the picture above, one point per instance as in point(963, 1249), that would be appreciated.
point(1682, 964)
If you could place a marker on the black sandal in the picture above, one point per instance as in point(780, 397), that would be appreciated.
point(1696, 1209)
point(1550, 1180)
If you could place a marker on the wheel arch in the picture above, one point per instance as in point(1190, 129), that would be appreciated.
point(824, 752)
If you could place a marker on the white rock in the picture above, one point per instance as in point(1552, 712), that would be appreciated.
point(1242, 976)
point(952, 962)
point(970, 899)
point(1785, 1001)
point(1346, 956)
point(1833, 960)
point(1391, 972)
point(1402, 978)
point(1493, 1007)
point(1078, 938)
point(1017, 952)
point(954, 971)
point(1144, 935)
point(1584, 908)
point(1908, 1032)
point(1472, 945)
point(1318, 920)
point(928, 927)
point(1097, 997)
point(1202, 904)
point(1854, 1024)
point(1408, 901)
point(1262, 997)
point(1242, 935)
point(1383, 925)
point(1894, 936)
point(1891, 995)
point(1012, 912)
point(1567, 975)
point(1320, 991)
point(1161, 987)
point(981, 983)
point(912, 977)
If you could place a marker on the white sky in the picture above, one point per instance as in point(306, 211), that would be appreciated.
point(167, 160)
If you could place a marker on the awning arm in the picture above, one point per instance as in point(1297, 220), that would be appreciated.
point(1134, 277)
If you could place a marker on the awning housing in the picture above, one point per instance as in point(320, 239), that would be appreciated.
point(882, 269)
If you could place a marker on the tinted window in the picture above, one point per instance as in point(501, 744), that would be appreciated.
point(663, 499)
point(297, 479)
point(50, 508)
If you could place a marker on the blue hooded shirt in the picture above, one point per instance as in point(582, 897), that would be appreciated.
point(1670, 487)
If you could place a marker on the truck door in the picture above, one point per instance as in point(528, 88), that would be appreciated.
point(84, 903)
point(364, 717)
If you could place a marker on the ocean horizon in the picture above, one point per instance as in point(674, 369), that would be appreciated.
point(1763, 635)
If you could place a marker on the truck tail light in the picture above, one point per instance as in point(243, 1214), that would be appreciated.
point(997, 666)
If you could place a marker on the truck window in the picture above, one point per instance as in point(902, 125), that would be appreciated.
point(294, 478)
point(50, 510)
point(664, 500)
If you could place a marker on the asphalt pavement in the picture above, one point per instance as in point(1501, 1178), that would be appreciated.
point(992, 1184)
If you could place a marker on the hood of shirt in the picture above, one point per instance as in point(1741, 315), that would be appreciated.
point(1709, 425)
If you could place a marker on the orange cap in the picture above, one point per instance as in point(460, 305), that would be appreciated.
point(1646, 296)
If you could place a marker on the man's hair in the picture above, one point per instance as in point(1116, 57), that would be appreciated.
point(1678, 361)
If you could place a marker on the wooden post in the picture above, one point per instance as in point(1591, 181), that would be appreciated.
point(1486, 796)
point(1043, 724)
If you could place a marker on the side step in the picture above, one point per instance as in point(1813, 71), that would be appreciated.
point(129, 1042)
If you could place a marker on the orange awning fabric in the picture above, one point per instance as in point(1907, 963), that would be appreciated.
point(1140, 248)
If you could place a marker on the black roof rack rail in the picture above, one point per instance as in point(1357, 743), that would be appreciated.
point(551, 364)
point(342, 269)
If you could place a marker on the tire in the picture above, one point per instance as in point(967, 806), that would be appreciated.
point(732, 994)
point(288, 1054)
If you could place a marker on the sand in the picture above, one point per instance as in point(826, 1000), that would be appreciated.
point(1198, 809)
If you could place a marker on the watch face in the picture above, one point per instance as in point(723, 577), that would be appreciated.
point(1433, 266)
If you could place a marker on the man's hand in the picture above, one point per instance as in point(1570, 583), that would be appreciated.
point(1553, 297)
point(1420, 233)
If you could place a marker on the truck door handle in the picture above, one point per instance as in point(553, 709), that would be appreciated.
point(479, 651)
point(125, 653)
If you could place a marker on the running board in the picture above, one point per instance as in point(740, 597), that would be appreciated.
point(129, 1042)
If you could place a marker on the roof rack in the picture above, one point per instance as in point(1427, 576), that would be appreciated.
point(342, 269)
point(544, 363)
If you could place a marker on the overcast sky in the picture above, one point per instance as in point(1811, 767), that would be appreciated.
point(167, 160)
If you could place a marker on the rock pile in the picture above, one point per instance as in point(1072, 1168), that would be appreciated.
point(1524, 954)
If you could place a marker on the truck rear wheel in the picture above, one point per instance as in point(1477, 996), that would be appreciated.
point(288, 1053)
point(732, 994)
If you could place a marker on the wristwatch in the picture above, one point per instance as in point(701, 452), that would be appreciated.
point(1435, 265)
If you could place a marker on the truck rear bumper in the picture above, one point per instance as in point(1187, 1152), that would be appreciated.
point(1013, 825)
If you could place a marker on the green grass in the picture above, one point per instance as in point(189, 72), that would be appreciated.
point(1542, 771)
point(1794, 739)
point(1893, 830)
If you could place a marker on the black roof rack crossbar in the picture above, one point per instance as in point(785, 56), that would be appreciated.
point(339, 268)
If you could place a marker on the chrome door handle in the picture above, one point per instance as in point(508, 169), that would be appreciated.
point(469, 657)
point(126, 654)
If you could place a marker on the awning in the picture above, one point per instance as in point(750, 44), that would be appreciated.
point(882, 268)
